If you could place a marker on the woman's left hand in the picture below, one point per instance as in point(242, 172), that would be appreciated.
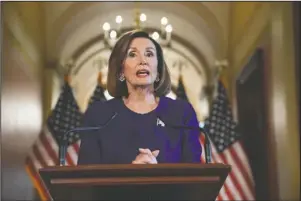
point(146, 157)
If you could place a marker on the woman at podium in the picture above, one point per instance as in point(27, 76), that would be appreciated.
point(140, 125)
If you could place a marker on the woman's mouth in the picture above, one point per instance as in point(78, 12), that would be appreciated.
point(142, 73)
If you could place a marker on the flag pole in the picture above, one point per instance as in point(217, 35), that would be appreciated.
point(63, 141)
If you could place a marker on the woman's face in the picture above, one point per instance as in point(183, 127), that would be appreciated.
point(140, 64)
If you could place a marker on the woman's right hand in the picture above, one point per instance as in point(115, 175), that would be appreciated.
point(146, 156)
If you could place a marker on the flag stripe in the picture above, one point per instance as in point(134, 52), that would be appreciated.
point(48, 160)
point(51, 141)
point(234, 177)
point(239, 153)
point(69, 159)
point(236, 193)
point(228, 185)
point(49, 149)
point(231, 180)
point(38, 156)
point(55, 147)
point(73, 154)
point(245, 182)
point(76, 146)
point(222, 194)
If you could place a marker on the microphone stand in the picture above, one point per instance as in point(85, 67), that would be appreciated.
point(63, 144)
point(207, 146)
point(62, 152)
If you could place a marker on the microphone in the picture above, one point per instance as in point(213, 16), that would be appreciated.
point(63, 144)
point(207, 139)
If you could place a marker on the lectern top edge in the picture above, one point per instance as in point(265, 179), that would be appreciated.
point(138, 167)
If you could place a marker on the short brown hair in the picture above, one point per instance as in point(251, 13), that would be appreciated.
point(116, 88)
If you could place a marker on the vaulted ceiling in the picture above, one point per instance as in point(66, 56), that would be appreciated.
point(203, 25)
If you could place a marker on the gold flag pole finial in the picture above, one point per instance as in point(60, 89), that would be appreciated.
point(221, 65)
point(68, 69)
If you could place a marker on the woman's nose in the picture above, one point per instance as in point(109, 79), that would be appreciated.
point(142, 59)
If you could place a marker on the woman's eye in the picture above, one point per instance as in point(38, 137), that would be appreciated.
point(149, 54)
point(132, 54)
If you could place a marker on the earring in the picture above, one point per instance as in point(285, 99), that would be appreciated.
point(121, 77)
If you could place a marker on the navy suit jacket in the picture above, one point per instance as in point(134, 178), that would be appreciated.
point(118, 142)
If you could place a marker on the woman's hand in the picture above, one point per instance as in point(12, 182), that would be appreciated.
point(146, 157)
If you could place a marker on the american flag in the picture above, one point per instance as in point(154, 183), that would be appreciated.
point(65, 116)
point(227, 148)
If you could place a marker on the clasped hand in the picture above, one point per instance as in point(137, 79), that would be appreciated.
point(146, 156)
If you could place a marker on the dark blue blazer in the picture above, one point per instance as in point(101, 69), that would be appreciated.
point(118, 142)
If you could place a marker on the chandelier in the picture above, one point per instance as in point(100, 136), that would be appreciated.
point(112, 33)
